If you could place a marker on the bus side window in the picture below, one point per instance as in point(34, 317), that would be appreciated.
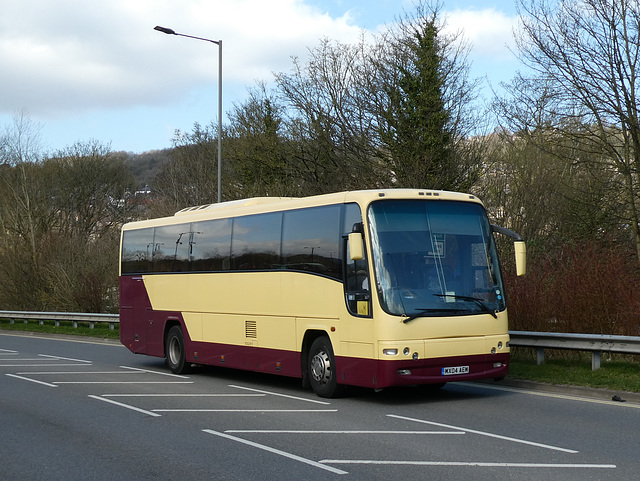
point(357, 279)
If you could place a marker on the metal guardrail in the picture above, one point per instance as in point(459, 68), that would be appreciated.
point(74, 317)
point(595, 343)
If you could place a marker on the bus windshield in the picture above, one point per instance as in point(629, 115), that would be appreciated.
point(434, 258)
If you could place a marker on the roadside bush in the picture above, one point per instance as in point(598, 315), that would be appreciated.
point(584, 288)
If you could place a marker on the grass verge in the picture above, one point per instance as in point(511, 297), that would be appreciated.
point(620, 373)
point(100, 330)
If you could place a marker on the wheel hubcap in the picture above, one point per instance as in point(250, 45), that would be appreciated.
point(321, 367)
point(174, 350)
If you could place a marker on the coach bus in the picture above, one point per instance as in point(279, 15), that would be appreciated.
point(370, 288)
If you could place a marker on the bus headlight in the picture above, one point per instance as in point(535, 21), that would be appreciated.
point(390, 352)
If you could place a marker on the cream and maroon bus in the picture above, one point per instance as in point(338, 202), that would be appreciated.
point(369, 288)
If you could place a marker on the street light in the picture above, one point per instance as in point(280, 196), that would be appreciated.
point(169, 31)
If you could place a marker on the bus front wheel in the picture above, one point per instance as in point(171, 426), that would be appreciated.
point(321, 366)
point(174, 351)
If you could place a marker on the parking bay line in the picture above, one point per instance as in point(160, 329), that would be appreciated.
point(39, 373)
point(127, 406)
point(51, 359)
point(245, 410)
point(32, 380)
point(276, 451)
point(184, 395)
point(271, 393)
point(161, 373)
point(471, 464)
point(40, 365)
point(482, 433)
point(58, 358)
point(122, 382)
point(290, 431)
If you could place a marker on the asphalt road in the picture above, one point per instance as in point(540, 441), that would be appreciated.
point(89, 410)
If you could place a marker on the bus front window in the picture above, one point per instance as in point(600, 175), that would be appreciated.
point(434, 258)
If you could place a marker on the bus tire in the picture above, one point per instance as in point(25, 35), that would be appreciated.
point(321, 368)
point(174, 351)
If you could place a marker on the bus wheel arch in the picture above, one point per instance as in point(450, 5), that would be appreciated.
point(174, 349)
point(320, 368)
point(309, 337)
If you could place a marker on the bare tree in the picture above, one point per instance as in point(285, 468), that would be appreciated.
point(190, 177)
point(60, 222)
point(260, 149)
point(20, 142)
point(584, 57)
point(330, 121)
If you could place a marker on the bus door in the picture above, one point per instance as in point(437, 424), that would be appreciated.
point(357, 279)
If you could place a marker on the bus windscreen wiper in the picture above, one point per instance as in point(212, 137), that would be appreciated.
point(422, 312)
point(478, 301)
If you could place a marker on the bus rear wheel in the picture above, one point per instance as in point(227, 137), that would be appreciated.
point(174, 351)
point(321, 366)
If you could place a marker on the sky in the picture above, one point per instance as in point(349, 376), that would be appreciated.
point(84, 70)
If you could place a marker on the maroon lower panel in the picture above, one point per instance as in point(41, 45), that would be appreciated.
point(272, 361)
point(430, 371)
point(351, 371)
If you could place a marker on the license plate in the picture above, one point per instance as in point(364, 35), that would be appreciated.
point(450, 371)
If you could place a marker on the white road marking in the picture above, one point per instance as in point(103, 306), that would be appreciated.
point(40, 373)
point(123, 382)
point(161, 373)
point(281, 395)
point(286, 431)
point(38, 365)
point(58, 358)
point(245, 410)
point(474, 464)
point(184, 395)
point(552, 395)
point(482, 433)
point(276, 451)
point(127, 406)
point(32, 380)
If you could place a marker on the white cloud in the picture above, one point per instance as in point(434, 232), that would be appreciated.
point(489, 31)
point(97, 69)
point(60, 57)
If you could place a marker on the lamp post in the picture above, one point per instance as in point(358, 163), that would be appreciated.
point(169, 31)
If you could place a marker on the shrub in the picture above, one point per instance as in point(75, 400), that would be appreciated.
point(585, 288)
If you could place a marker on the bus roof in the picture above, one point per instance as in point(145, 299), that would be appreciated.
point(255, 205)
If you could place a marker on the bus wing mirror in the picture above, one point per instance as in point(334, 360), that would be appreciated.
point(519, 246)
point(521, 257)
point(356, 248)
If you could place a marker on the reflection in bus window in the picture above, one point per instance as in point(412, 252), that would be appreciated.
point(311, 240)
point(210, 249)
point(171, 244)
point(256, 242)
point(137, 251)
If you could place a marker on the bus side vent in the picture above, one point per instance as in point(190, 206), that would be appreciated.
point(251, 329)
